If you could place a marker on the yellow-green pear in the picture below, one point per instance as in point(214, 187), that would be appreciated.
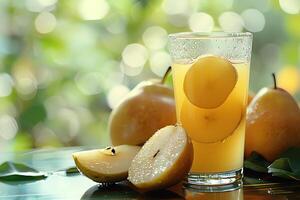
point(147, 108)
point(273, 123)
point(106, 165)
point(164, 160)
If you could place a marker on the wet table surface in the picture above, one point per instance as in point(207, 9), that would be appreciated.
point(58, 185)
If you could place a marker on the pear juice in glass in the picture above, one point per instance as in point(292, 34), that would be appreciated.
point(210, 78)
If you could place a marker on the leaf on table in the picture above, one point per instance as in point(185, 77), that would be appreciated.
point(72, 170)
point(287, 165)
point(282, 168)
point(293, 156)
point(281, 163)
point(257, 163)
point(10, 171)
point(252, 181)
point(285, 175)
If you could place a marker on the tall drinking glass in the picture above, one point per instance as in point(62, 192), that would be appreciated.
point(211, 77)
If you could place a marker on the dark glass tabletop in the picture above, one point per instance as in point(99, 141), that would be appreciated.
point(59, 185)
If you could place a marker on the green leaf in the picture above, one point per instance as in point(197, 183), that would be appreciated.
point(10, 171)
point(285, 174)
point(293, 156)
point(288, 165)
point(256, 163)
point(252, 181)
point(72, 170)
point(281, 163)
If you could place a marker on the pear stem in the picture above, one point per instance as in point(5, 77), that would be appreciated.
point(163, 80)
point(274, 81)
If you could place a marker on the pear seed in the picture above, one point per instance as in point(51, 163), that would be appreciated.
point(109, 151)
point(156, 153)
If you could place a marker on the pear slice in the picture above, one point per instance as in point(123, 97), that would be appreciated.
point(211, 125)
point(106, 165)
point(209, 81)
point(164, 160)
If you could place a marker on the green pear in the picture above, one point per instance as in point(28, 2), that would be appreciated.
point(273, 123)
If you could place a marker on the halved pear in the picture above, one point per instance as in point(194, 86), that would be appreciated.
point(106, 165)
point(164, 160)
point(209, 81)
point(211, 125)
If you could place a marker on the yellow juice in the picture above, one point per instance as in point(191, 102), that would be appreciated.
point(227, 153)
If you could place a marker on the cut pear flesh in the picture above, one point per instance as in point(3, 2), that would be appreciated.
point(106, 165)
point(164, 160)
point(210, 125)
point(209, 81)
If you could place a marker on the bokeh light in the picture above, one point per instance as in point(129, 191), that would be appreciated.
point(25, 83)
point(159, 62)
point(201, 22)
point(33, 5)
point(45, 22)
point(290, 6)
point(135, 55)
point(254, 20)
point(93, 9)
point(27, 86)
point(47, 2)
point(89, 83)
point(174, 7)
point(130, 71)
point(44, 136)
point(226, 4)
point(53, 104)
point(39, 5)
point(116, 94)
point(45, 76)
point(7, 107)
point(116, 26)
point(177, 12)
point(6, 84)
point(231, 22)
point(113, 76)
point(289, 79)
point(25, 80)
point(8, 127)
point(55, 64)
point(70, 120)
point(155, 37)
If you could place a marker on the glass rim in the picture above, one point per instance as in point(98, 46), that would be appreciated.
point(209, 35)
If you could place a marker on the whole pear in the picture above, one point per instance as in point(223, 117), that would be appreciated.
point(147, 108)
point(273, 123)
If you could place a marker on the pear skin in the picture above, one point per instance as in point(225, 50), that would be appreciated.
point(273, 123)
point(147, 108)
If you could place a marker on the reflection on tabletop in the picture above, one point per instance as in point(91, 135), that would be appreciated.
point(77, 186)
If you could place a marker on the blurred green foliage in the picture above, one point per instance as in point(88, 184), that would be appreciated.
point(63, 63)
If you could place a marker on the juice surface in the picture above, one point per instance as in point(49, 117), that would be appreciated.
point(227, 153)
